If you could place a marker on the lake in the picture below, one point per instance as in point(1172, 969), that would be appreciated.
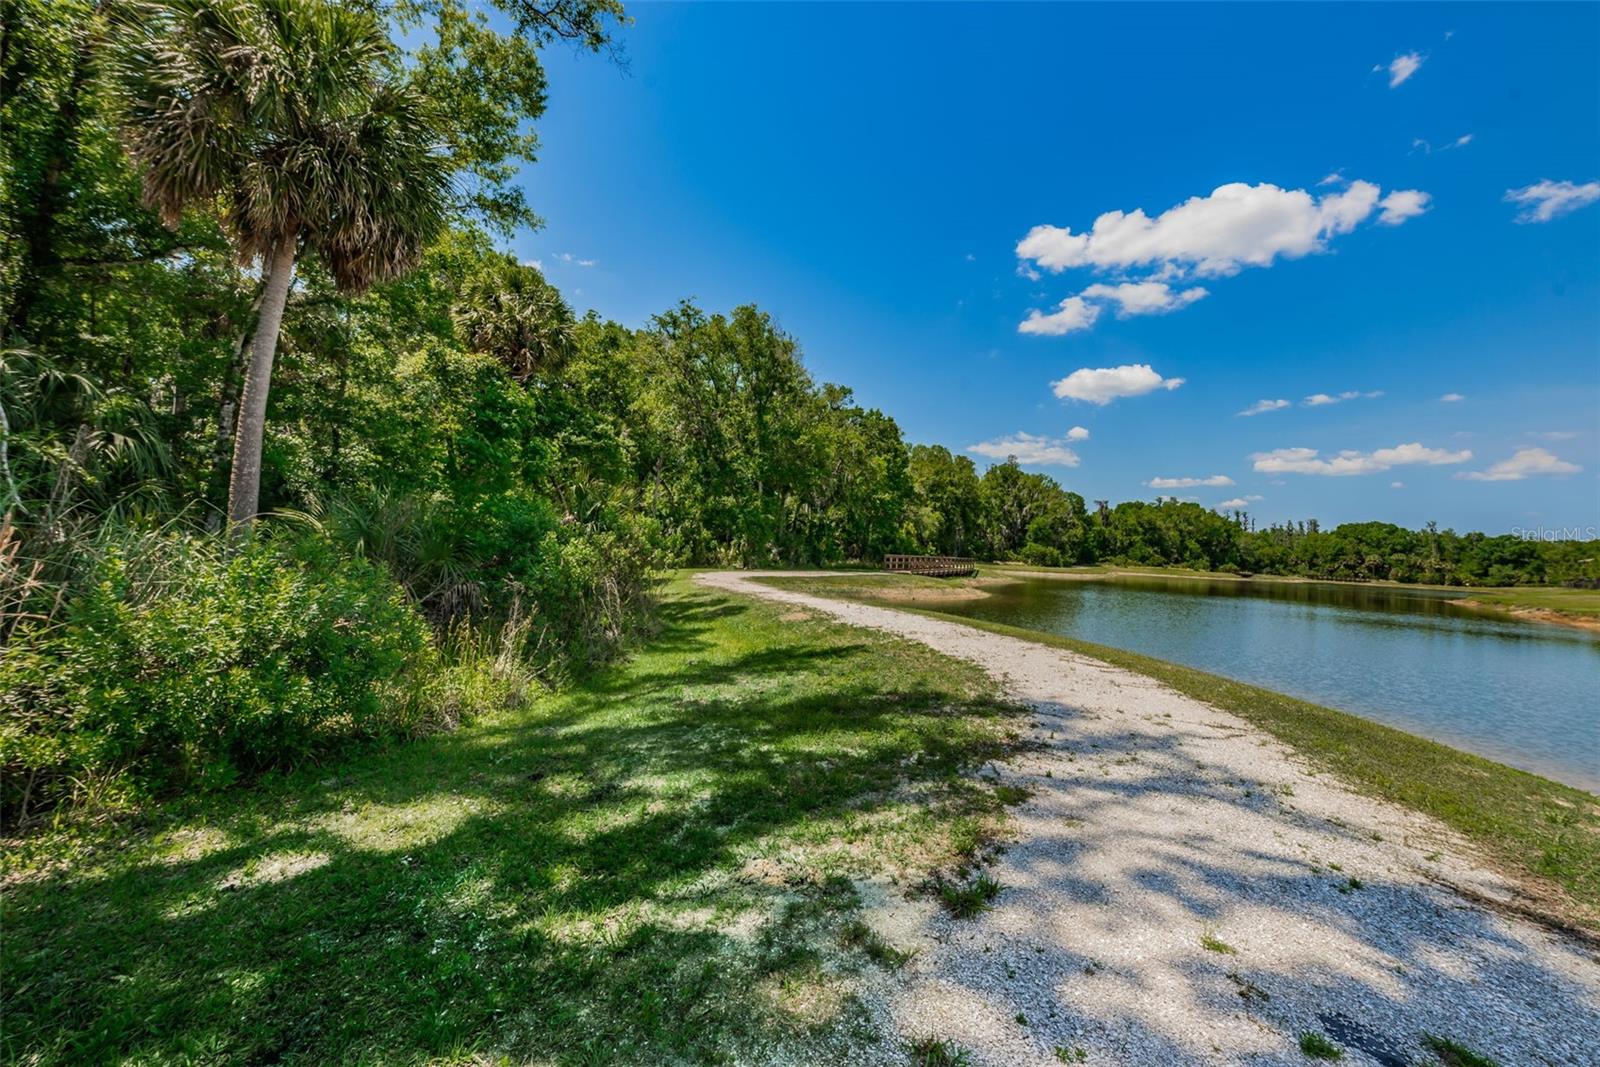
point(1526, 694)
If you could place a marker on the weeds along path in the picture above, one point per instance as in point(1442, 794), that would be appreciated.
point(1184, 889)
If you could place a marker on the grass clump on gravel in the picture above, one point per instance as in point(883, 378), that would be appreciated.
point(1314, 1046)
point(935, 1052)
point(1212, 943)
point(858, 935)
point(653, 866)
point(1454, 1053)
point(970, 900)
point(1546, 833)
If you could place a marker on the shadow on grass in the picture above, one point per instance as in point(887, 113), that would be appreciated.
point(560, 882)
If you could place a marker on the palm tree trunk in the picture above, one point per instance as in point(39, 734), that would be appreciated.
point(228, 403)
point(244, 488)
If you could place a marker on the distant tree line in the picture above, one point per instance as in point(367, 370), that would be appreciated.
point(1011, 514)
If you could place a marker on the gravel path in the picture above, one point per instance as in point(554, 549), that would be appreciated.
point(1157, 822)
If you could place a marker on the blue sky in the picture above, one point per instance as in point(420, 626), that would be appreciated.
point(868, 173)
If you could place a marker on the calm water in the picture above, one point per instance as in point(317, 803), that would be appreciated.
point(1526, 694)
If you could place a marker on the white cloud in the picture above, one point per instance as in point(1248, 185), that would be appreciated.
point(1524, 463)
point(1402, 67)
point(1078, 433)
point(1546, 200)
point(1104, 384)
point(1144, 298)
point(1241, 501)
point(1031, 449)
point(534, 263)
point(1428, 149)
point(1402, 204)
point(1188, 483)
point(1236, 226)
point(1397, 485)
point(1131, 298)
point(1262, 406)
point(1554, 435)
point(1317, 400)
point(1349, 461)
point(1073, 313)
point(1334, 178)
point(1451, 398)
point(568, 257)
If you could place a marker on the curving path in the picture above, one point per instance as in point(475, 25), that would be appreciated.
point(1158, 823)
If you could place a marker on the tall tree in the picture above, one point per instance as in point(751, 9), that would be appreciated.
point(287, 113)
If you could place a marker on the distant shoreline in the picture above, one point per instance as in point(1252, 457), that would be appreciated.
point(1469, 598)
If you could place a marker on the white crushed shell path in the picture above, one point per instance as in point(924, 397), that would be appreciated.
point(1157, 820)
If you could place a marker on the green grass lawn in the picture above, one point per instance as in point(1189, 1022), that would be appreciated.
point(1546, 833)
point(650, 868)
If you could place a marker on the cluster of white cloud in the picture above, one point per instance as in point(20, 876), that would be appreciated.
point(1102, 385)
point(1032, 449)
point(1350, 461)
point(1317, 400)
point(1428, 149)
point(1131, 298)
point(1238, 225)
point(1150, 265)
point(1188, 483)
point(1073, 313)
point(1546, 200)
point(1524, 463)
point(1401, 67)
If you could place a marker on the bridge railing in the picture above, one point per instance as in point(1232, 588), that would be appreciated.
point(932, 566)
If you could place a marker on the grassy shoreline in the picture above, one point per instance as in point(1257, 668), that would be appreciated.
point(1544, 833)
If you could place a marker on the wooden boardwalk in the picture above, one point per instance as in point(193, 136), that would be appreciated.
point(932, 566)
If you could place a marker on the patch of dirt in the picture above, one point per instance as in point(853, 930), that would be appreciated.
point(926, 595)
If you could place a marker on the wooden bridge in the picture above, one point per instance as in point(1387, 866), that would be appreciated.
point(932, 566)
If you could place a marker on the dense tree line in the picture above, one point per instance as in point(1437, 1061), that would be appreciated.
point(249, 276)
point(1011, 514)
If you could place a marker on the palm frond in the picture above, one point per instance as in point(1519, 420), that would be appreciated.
point(288, 112)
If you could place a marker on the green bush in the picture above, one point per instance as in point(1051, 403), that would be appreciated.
point(509, 567)
point(176, 666)
point(1041, 555)
point(579, 585)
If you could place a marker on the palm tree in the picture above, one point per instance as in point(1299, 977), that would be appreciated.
point(510, 312)
point(290, 117)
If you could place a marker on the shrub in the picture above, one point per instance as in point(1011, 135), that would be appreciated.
point(1041, 555)
point(174, 665)
point(508, 567)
